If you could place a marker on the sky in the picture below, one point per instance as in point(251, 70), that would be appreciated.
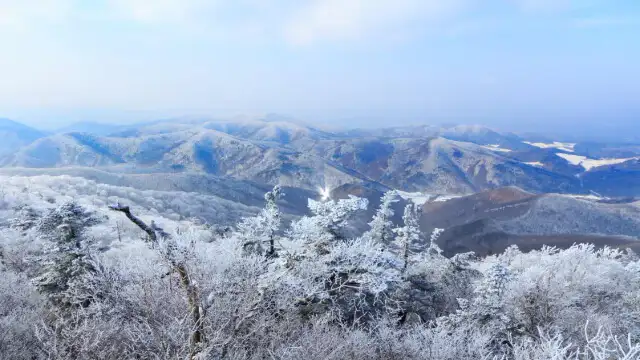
point(515, 64)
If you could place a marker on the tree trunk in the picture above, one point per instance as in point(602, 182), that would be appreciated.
point(193, 302)
point(193, 295)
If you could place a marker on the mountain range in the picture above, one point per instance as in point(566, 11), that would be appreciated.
point(461, 159)
point(15, 135)
point(487, 189)
point(490, 221)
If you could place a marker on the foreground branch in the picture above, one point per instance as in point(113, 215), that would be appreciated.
point(193, 294)
point(153, 237)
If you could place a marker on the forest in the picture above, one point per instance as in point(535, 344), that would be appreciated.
point(99, 276)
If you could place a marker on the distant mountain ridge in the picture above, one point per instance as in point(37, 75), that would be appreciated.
point(14, 135)
point(460, 159)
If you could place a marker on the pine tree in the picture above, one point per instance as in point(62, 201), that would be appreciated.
point(490, 291)
point(262, 228)
point(26, 218)
point(433, 248)
point(68, 258)
point(381, 224)
point(327, 223)
point(409, 234)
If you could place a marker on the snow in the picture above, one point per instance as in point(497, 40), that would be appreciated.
point(570, 147)
point(444, 198)
point(581, 289)
point(589, 164)
point(422, 198)
point(496, 147)
point(416, 197)
point(535, 163)
point(573, 159)
point(591, 197)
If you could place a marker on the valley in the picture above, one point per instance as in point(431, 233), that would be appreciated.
point(488, 190)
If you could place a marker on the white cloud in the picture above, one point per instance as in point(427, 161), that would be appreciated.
point(354, 19)
point(152, 11)
point(21, 14)
point(297, 21)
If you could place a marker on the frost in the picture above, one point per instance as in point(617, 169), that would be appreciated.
point(381, 225)
point(78, 280)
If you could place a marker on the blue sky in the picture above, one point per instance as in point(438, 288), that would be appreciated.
point(514, 64)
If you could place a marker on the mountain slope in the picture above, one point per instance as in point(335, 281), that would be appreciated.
point(615, 180)
point(15, 135)
point(61, 150)
point(439, 165)
point(490, 221)
point(274, 130)
point(196, 150)
point(272, 149)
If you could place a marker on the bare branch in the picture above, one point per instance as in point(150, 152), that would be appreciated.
point(141, 224)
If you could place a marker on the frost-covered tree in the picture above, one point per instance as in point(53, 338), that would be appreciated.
point(262, 229)
point(490, 291)
point(25, 218)
point(381, 225)
point(432, 283)
point(349, 280)
point(177, 257)
point(327, 223)
point(434, 248)
point(409, 234)
point(68, 222)
point(349, 301)
point(68, 257)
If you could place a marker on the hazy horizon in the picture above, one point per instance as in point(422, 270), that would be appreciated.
point(599, 131)
point(520, 65)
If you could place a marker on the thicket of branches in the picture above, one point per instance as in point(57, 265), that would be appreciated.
point(83, 282)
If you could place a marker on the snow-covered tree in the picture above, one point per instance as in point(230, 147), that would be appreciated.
point(490, 291)
point(67, 222)
point(68, 257)
point(434, 248)
point(381, 225)
point(327, 223)
point(351, 300)
point(409, 234)
point(25, 218)
point(177, 257)
point(262, 229)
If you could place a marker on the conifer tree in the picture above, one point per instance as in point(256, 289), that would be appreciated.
point(381, 224)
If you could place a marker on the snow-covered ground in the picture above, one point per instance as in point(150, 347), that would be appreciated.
point(422, 198)
point(416, 197)
point(443, 198)
point(170, 207)
point(496, 147)
point(589, 164)
point(570, 147)
point(592, 197)
point(535, 163)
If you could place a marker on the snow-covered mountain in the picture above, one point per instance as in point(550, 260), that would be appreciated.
point(490, 221)
point(14, 135)
point(271, 149)
point(197, 150)
point(488, 190)
point(439, 165)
